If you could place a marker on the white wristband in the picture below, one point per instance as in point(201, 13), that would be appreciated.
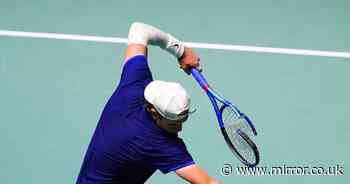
point(175, 47)
point(144, 34)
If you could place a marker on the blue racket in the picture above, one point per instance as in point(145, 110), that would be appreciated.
point(235, 126)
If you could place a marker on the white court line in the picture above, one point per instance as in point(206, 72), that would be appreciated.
point(190, 44)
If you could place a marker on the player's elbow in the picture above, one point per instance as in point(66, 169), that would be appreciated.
point(135, 26)
point(139, 33)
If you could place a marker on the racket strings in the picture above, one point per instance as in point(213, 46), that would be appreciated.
point(233, 123)
point(231, 118)
point(242, 146)
point(230, 113)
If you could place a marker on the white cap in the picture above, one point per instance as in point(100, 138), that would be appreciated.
point(169, 98)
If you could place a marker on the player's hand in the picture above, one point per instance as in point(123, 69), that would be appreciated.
point(189, 60)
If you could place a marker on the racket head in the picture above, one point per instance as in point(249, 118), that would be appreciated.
point(229, 114)
point(236, 130)
point(236, 137)
point(246, 150)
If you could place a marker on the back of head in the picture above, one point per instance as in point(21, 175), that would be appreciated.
point(170, 99)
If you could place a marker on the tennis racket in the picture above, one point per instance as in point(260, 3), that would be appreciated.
point(235, 126)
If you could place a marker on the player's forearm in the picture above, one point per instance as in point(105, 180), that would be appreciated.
point(144, 34)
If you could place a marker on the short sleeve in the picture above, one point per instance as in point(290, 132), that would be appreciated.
point(135, 71)
point(172, 156)
point(135, 76)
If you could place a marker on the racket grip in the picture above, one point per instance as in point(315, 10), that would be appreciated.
point(200, 79)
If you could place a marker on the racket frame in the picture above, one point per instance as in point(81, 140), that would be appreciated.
point(214, 97)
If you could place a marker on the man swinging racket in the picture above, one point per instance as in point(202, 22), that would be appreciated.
point(137, 131)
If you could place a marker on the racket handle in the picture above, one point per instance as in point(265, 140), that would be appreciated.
point(200, 79)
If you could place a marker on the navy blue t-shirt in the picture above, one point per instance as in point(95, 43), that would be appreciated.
point(127, 146)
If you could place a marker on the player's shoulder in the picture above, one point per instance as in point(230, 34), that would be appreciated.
point(139, 57)
point(136, 71)
point(167, 141)
point(136, 63)
point(154, 135)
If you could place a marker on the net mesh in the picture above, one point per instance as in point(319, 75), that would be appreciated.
point(233, 123)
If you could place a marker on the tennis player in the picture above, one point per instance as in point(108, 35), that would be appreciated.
point(137, 133)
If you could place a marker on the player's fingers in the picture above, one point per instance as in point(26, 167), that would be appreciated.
point(194, 63)
point(199, 68)
point(185, 69)
point(198, 65)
